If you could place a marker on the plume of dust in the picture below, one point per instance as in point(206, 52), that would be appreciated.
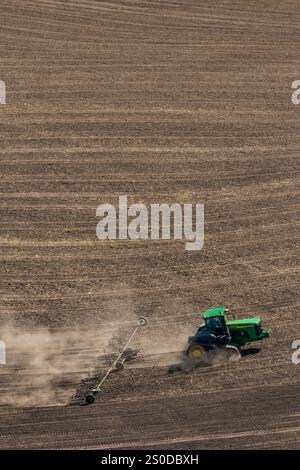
point(45, 365)
point(162, 345)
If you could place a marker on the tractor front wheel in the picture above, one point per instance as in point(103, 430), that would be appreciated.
point(233, 353)
point(196, 352)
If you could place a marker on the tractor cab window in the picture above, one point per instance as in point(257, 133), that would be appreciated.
point(216, 324)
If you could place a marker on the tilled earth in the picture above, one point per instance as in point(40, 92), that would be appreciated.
point(164, 101)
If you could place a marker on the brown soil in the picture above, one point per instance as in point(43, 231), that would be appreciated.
point(165, 101)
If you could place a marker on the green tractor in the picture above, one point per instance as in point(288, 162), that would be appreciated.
point(217, 334)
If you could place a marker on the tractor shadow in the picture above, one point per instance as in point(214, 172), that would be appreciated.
point(249, 352)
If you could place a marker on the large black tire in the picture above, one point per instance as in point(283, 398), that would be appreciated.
point(196, 352)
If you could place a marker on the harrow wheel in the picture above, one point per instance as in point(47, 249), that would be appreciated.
point(89, 399)
point(119, 366)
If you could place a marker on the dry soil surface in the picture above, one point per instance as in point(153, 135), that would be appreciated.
point(164, 101)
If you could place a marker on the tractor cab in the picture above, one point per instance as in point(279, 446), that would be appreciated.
point(214, 330)
point(215, 321)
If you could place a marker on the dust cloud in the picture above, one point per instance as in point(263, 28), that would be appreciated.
point(45, 365)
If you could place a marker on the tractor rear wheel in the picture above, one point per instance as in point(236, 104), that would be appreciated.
point(196, 352)
point(232, 353)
